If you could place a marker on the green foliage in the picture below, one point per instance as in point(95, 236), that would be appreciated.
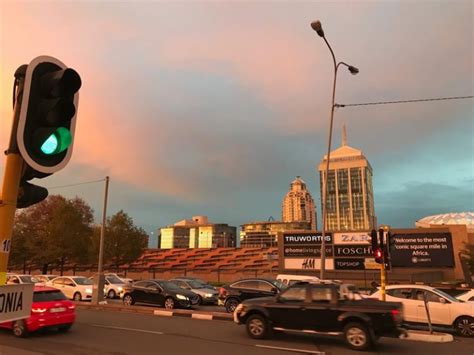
point(469, 251)
point(123, 241)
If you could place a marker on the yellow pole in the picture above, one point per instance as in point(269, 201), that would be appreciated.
point(11, 179)
point(382, 279)
point(11, 183)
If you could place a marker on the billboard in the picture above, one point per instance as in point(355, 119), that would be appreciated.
point(422, 250)
point(15, 301)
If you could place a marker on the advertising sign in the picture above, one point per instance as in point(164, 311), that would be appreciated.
point(353, 250)
point(352, 238)
point(305, 250)
point(422, 250)
point(307, 264)
point(15, 301)
point(303, 238)
point(349, 264)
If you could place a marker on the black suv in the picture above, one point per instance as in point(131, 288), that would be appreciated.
point(160, 292)
point(322, 309)
point(233, 294)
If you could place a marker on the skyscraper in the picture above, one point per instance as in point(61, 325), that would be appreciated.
point(298, 205)
point(350, 199)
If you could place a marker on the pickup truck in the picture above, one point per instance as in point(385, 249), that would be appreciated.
point(317, 308)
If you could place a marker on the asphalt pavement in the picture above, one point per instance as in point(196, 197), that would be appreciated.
point(117, 333)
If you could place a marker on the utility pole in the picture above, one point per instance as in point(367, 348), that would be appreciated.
point(98, 289)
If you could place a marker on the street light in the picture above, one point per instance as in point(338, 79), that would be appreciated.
point(316, 26)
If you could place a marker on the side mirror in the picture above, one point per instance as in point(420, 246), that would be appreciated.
point(274, 290)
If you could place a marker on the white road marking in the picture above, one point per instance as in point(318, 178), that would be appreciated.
point(303, 351)
point(130, 329)
point(202, 316)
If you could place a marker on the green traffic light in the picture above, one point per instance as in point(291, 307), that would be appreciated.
point(57, 142)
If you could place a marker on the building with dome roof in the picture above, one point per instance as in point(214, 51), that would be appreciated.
point(350, 199)
point(298, 205)
point(448, 219)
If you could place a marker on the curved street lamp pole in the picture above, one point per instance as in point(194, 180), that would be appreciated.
point(353, 70)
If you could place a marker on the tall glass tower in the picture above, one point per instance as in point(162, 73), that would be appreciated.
point(350, 199)
point(298, 205)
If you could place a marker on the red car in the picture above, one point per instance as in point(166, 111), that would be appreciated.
point(50, 309)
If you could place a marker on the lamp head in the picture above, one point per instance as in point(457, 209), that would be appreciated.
point(353, 70)
point(316, 25)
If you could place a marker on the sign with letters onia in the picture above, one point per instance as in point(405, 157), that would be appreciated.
point(353, 251)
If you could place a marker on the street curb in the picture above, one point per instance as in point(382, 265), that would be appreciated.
point(427, 337)
point(157, 311)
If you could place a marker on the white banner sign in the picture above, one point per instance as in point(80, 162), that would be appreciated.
point(308, 264)
point(352, 238)
point(15, 301)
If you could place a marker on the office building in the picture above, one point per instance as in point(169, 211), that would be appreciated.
point(298, 205)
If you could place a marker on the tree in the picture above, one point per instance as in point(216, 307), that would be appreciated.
point(469, 252)
point(55, 231)
point(123, 241)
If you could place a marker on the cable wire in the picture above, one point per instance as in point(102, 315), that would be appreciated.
point(405, 101)
point(70, 185)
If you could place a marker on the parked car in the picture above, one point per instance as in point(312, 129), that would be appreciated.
point(202, 282)
point(43, 279)
point(77, 288)
point(160, 292)
point(50, 309)
point(206, 295)
point(13, 279)
point(232, 294)
point(445, 311)
point(466, 296)
point(113, 285)
point(317, 308)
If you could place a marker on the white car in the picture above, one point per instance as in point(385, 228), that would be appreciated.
point(445, 310)
point(77, 288)
point(43, 279)
point(15, 279)
point(466, 296)
point(113, 286)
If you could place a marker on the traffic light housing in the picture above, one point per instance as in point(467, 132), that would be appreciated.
point(378, 255)
point(374, 240)
point(47, 119)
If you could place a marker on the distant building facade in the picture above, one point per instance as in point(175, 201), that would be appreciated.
point(298, 205)
point(350, 199)
point(198, 233)
point(265, 234)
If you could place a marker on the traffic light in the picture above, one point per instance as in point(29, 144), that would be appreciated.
point(378, 254)
point(381, 239)
point(373, 240)
point(46, 123)
point(47, 116)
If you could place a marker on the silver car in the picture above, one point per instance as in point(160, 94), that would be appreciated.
point(207, 294)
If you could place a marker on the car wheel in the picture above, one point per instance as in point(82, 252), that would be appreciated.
point(257, 327)
point(77, 296)
point(111, 294)
point(464, 326)
point(128, 300)
point(357, 336)
point(64, 328)
point(169, 303)
point(19, 329)
point(231, 304)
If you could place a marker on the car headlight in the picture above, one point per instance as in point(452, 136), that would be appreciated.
point(181, 297)
point(120, 289)
point(88, 290)
point(208, 295)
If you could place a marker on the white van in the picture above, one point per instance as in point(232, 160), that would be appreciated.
point(291, 279)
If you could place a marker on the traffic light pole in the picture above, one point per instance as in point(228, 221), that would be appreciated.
point(382, 279)
point(11, 181)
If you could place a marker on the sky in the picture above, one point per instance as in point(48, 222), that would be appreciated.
point(214, 107)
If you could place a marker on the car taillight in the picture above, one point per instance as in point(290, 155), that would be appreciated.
point(396, 315)
point(222, 292)
point(71, 306)
point(38, 310)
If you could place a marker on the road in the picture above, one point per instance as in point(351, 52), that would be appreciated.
point(102, 332)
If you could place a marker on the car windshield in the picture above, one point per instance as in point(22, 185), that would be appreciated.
point(196, 284)
point(46, 296)
point(280, 285)
point(168, 285)
point(50, 277)
point(114, 279)
point(449, 297)
point(82, 281)
point(28, 279)
point(463, 294)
